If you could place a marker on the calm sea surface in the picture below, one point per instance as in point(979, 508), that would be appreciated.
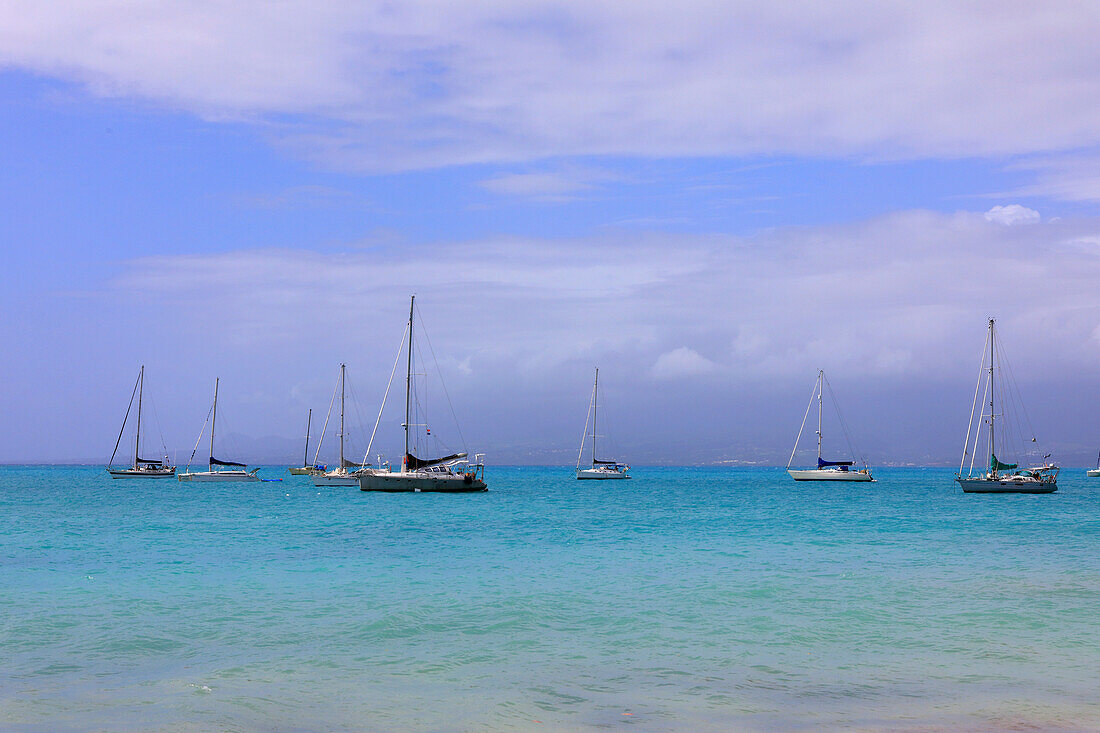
point(694, 598)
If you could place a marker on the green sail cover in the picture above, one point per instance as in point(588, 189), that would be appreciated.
point(995, 465)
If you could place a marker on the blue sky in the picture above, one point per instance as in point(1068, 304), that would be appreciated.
point(709, 203)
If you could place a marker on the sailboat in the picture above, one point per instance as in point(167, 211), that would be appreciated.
point(339, 476)
point(826, 470)
point(598, 469)
point(235, 471)
point(142, 467)
point(306, 469)
point(1094, 472)
point(453, 473)
point(1002, 477)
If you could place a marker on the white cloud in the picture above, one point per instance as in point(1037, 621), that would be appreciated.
point(398, 86)
point(682, 362)
point(1012, 214)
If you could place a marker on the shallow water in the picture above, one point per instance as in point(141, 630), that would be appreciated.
point(693, 598)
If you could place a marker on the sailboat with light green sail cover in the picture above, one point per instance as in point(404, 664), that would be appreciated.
point(1002, 477)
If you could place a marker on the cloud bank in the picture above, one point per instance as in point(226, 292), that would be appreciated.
point(387, 86)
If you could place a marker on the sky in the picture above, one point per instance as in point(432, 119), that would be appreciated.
point(709, 201)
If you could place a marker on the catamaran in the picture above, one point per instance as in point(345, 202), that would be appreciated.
point(339, 476)
point(1002, 477)
point(306, 469)
point(826, 470)
point(142, 467)
point(452, 473)
point(599, 469)
point(235, 471)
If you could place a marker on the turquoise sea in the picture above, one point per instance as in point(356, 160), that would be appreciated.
point(684, 599)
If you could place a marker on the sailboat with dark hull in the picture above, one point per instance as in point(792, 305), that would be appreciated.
point(600, 470)
point(141, 467)
point(1001, 477)
point(449, 474)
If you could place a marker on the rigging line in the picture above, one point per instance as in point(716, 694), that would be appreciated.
point(1022, 408)
point(160, 431)
point(584, 435)
point(400, 349)
point(982, 380)
point(424, 330)
point(843, 424)
point(973, 406)
point(328, 414)
point(124, 419)
point(813, 393)
point(199, 439)
point(1012, 408)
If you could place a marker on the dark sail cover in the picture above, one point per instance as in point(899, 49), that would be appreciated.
point(351, 464)
point(147, 462)
point(215, 462)
point(604, 463)
point(412, 462)
point(842, 464)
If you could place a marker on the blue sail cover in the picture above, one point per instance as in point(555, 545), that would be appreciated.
point(215, 462)
point(843, 465)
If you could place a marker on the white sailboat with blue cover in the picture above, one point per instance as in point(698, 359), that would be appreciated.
point(826, 470)
point(217, 469)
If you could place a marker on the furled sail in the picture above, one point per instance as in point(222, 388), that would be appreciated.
point(823, 463)
point(412, 462)
point(215, 462)
point(148, 462)
point(604, 463)
point(351, 464)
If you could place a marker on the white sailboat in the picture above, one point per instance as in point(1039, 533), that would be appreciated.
point(231, 471)
point(826, 470)
point(306, 469)
point(1094, 472)
point(341, 475)
point(141, 467)
point(599, 470)
point(452, 474)
point(1001, 478)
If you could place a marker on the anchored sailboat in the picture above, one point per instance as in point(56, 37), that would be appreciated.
point(142, 467)
point(452, 473)
point(598, 469)
point(1002, 477)
point(339, 476)
point(1094, 472)
point(826, 470)
point(235, 471)
point(306, 469)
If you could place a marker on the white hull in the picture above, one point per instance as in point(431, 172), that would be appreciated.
point(209, 476)
point(342, 479)
point(826, 474)
point(420, 481)
point(300, 470)
point(1007, 485)
point(1094, 473)
point(131, 473)
point(591, 473)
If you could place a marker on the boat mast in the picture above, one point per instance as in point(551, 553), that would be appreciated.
point(342, 417)
point(213, 419)
point(992, 434)
point(408, 383)
point(595, 391)
point(305, 455)
point(820, 374)
point(137, 438)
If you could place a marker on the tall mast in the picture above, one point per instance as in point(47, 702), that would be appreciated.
point(820, 375)
point(408, 382)
point(213, 420)
point(341, 417)
point(992, 434)
point(309, 419)
point(137, 438)
point(595, 391)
